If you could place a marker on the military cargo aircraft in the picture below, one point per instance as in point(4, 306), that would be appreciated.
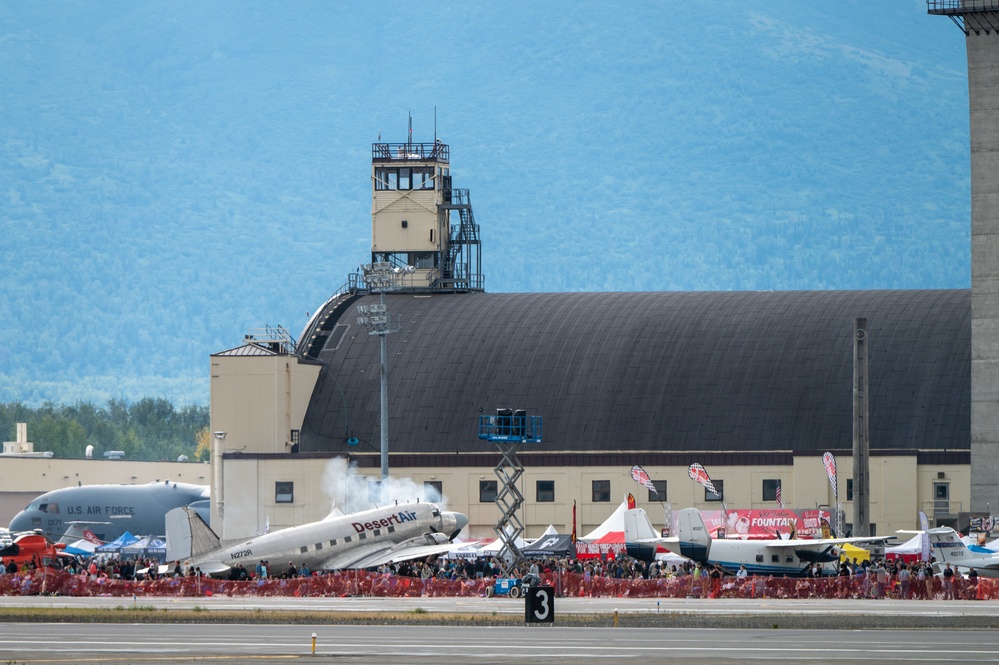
point(110, 509)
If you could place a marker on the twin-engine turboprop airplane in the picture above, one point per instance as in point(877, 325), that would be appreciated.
point(359, 540)
point(946, 545)
point(787, 557)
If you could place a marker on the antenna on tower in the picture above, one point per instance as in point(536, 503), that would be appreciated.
point(435, 124)
point(410, 144)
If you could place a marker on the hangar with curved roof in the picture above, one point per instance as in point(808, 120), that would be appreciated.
point(747, 372)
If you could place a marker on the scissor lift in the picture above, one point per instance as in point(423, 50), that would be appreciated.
point(509, 429)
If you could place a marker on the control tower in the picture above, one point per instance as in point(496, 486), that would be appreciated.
point(420, 224)
point(979, 20)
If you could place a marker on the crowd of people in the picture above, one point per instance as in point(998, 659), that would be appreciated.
point(620, 576)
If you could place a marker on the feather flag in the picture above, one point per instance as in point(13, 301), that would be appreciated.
point(700, 476)
point(640, 476)
point(780, 503)
point(829, 462)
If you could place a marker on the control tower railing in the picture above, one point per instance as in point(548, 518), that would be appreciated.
point(395, 152)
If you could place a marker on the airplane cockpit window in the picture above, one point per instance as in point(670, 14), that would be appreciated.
point(51, 508)
point(437, 513)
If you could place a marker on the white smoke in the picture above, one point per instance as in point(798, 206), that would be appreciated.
point(350, 491)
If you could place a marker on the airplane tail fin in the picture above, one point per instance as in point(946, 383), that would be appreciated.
point(695, 543)
point(188, 535)
point(946, 545)
point(638, 526)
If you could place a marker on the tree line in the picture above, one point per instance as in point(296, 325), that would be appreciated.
point(150, 429)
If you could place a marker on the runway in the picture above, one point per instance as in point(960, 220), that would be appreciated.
point(366, 630)
point(166, 644)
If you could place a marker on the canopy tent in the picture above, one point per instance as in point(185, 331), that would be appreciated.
point(149, 547)
point(607, 540)
point(117, 544)
point(909, 551)
point(850, 552)
point(81, 547)
point(613, 524)
point(554, 545)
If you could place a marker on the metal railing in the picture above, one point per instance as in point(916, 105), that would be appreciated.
point(947, 7)
point(437, 151)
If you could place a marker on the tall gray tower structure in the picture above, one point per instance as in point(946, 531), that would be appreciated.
point(979, 20)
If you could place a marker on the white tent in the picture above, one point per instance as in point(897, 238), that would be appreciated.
point(613, 524)
point(910, 548)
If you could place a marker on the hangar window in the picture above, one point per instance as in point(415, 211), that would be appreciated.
point(601, 491)
point(711, 496)
point(849, 489)
point(433, 490)
point(284, 492)
point(546, 491)
point(660, 493)
point(770, 488)
point(375, 491)
point(487, 491)
point(303, 549)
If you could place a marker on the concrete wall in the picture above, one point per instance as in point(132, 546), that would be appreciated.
point(983, 92)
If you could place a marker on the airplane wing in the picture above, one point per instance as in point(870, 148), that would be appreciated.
point(377, 554)
point(820, 543)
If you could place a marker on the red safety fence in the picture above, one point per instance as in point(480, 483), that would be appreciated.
point(362, 583)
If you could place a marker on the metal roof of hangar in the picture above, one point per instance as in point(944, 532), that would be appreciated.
point(651, 372)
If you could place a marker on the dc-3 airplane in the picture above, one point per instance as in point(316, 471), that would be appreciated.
point(358, 540)
point(783, 557)
point(947, 547)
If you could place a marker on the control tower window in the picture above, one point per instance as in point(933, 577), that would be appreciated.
point(422, 260)
point(404, 179)
point(392, 178)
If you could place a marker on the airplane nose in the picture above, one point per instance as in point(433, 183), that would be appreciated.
point(453, 523)
point(21, 522)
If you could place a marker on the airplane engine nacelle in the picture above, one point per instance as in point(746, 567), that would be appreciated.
point(433, 538)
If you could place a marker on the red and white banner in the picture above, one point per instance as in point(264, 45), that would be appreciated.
point(765, 523)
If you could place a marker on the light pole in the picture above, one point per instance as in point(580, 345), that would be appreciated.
point(380, 278)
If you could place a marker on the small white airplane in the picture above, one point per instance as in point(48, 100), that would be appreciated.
point(788, 557)
point(358, 540)
point(946, 545)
